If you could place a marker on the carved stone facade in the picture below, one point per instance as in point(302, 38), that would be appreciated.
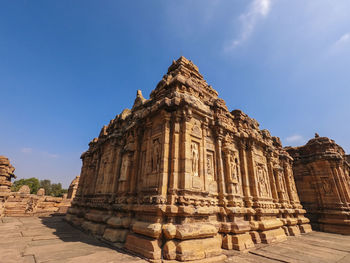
point(179, 177)
point(321, 171)
point(22, 203)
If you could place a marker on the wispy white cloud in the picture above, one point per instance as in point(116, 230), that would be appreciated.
point(343, 39)
point(51, 155)
point(45, 154)
point(295, 139)
point(26, 150)
point(257, 10)
point(341, 43)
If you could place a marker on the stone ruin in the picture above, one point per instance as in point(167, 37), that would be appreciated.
point(6, 174)
point(72, 190)
point(179, 177)
point(321, 171)
point(23, 203)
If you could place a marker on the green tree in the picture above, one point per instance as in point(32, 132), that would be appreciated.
point(46, 184)
point(52, 189)
point(33, 184)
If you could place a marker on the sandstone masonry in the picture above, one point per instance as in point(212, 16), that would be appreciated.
point(179, 177)
point(321, 171)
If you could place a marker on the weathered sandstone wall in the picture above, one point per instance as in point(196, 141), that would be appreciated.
point(179, 177)
point(321, 171)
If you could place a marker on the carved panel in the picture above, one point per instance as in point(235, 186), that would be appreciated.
point(210, 165)
point(326, 185)
point(196, 131)
point(234, 172)
point(124, 168)
point(155, 156)
point(195, 159)
point(262, 180)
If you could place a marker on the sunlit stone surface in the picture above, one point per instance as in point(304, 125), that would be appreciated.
point(179, 177)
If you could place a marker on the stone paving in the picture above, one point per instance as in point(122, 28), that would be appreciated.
point(52, 240)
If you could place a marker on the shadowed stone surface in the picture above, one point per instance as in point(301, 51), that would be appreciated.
point(321, 170)
point(52, 240)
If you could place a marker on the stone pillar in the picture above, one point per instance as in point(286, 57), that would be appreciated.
point(245, 173)
point(220, 170)
point(164, 167)
point(338, 185)
point(174, 157)
point(272, 177)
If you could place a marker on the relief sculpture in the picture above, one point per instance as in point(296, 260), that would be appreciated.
point(155, 158)
point(195, 158)
point(262, 180)
point(234, 173)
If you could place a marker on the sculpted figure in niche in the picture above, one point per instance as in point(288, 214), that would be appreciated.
point(209, 166)
point(281, 182)
point(262, 181)
point(234, 171)
point(124, 169)
point(195, 158)
point(291, 180)
point(326, 185)
point(155, 158)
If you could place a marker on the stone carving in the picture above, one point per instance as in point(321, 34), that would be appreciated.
point(235, 173)
point(180, 197)
point(326, 185)
point(195, 158)
point(234, 170)
point(124, 169)
point(210, 165)
point(196, 131)
point(263, 181)
point(155, 161)
point(321, 172)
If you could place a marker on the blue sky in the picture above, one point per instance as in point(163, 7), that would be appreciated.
point(68, 67)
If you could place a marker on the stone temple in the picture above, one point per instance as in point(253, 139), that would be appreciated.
point(180, 177)
point(322, 175)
